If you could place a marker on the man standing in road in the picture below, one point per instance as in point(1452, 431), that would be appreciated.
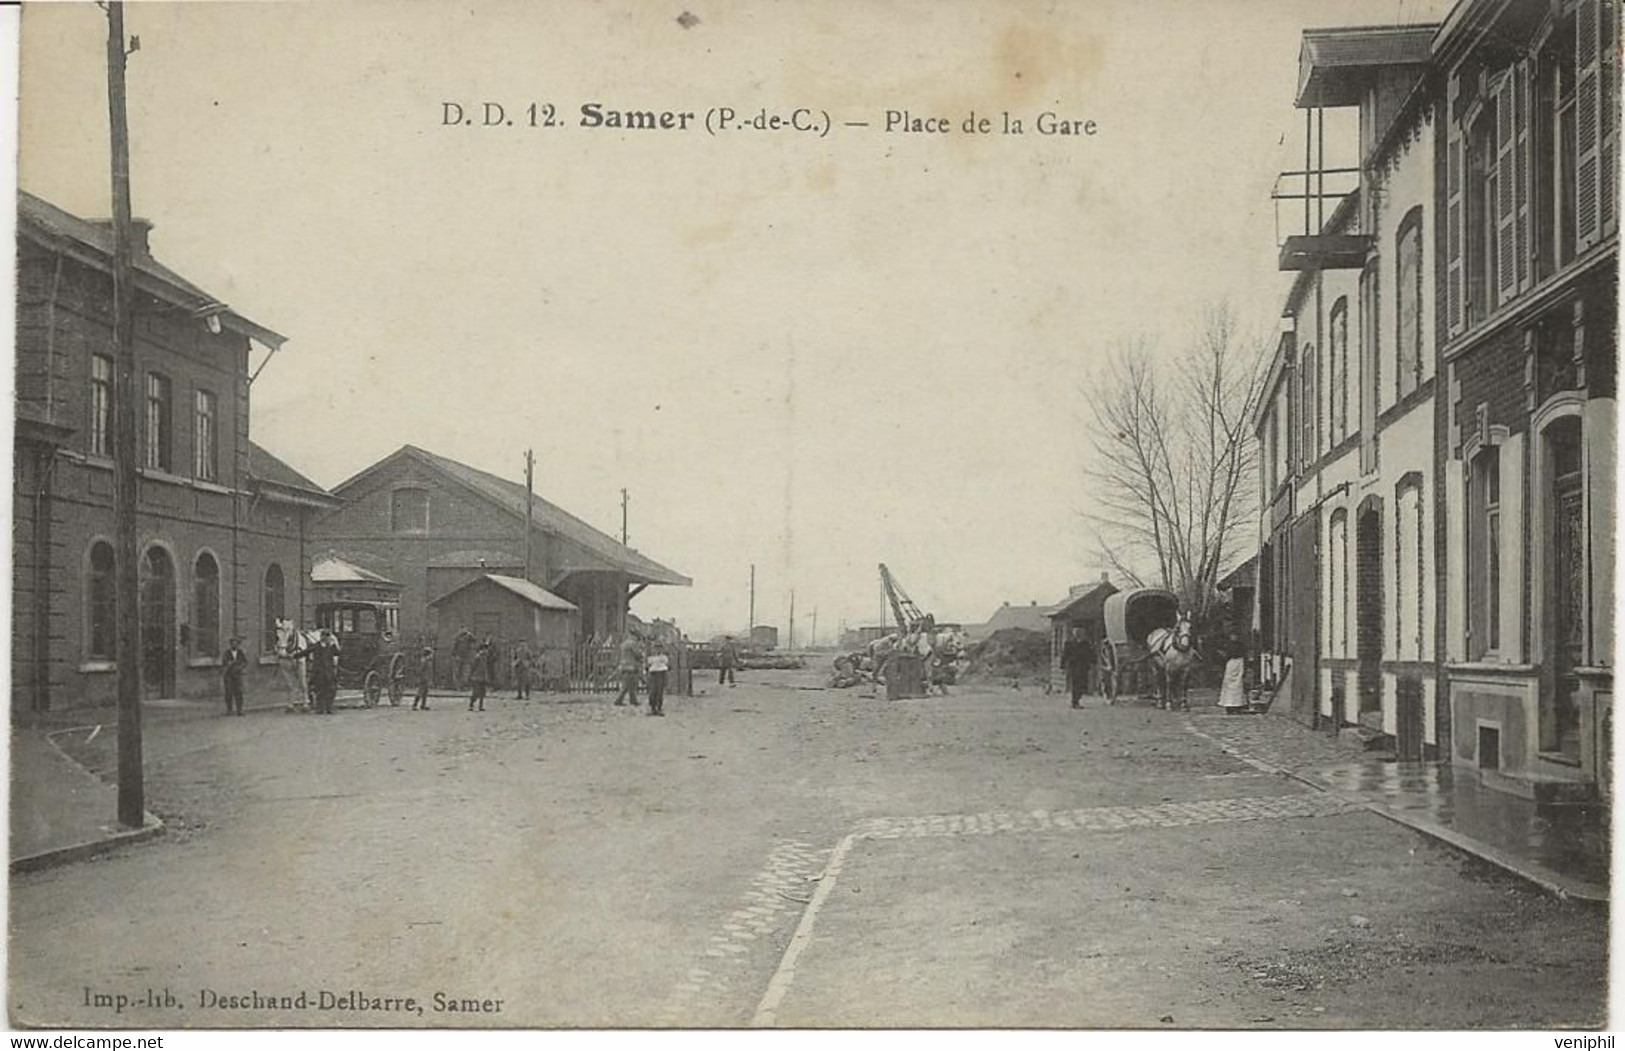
point(727, 659)
point(324, 671)
point(425, 669)
point(521, 671)
point(1078, 658)
point(659, 664)
point(630, 665)
point(479, 675)
point(462, 655)
point(233, 665)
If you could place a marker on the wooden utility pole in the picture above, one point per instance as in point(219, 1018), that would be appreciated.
point(624, 500)
point(530, 480)
point(752, 625)
point(132, 806)
point(812, 643)
point(791, 645)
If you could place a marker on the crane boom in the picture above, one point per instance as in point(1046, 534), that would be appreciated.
point(903, 608)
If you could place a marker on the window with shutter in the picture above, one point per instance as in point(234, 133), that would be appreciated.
point(1505, 275)
point(1608, 115)
point(1588, 120)
point(1454, 218)
point(1523, 120)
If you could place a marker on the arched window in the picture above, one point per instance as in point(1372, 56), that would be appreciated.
point(273, 606)
point(1308, 408)
point(1337, 365)
point(1484, 553)
point(1338, 616)
point(1408, 568)
point(99, 602)
point(206, 606)
point(1408, 304)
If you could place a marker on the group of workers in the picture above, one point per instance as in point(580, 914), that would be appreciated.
point(941, 652)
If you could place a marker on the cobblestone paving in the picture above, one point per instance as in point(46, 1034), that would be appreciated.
point(1275, 740)
point(1108, 819)
point(774, 901)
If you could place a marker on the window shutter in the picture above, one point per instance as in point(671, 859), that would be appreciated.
point(1453, 211)
point(1506, 212)
point(1608, 115)
point(1588, 119)
point(1523, 93)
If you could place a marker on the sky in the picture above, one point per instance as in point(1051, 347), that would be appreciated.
point(811, 353)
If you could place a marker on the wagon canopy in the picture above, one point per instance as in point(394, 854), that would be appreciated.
point(1132, 615)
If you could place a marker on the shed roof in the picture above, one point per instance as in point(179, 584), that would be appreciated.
point(331, 569)
point(534, 594)
point(1334, 64)
point(1242, 576)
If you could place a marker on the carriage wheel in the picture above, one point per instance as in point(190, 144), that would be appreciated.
point(371, 688)
point(397, 679)
point(1108, 671)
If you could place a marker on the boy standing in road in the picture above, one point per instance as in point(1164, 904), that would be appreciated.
point(1077, 657)
point(233, 665)
point(659, 664)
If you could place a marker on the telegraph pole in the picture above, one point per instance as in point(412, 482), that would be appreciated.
point(132, 806)
point(530, 471)
point(752, 625)
point(792, 643)
point(624, 499)
point(812, 643)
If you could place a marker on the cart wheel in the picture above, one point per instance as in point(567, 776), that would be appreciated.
point(397, 679)
point(371, 688)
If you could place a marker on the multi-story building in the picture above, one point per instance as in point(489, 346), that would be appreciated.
point(222, 524)
point(1527, 134)
point(1445, 558)
point(1346, 420)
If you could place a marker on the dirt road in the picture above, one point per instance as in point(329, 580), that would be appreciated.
point(781, 856)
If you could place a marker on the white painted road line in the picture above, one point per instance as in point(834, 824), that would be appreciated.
point(798, 941)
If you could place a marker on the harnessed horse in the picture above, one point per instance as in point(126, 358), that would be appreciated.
point(293, 646)
point(1172, 651)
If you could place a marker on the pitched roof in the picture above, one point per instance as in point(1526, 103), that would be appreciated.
point(537, 596)
point(1089, 600)
point(1028, 618)
point(92, 243)
point(547, 516)
point(331, 569)
point(267, 467)
point(1243, 576)
point(1333, 63)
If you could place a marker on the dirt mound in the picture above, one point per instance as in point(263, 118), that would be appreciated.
point(1010, 655)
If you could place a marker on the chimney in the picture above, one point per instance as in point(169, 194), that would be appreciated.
point(1105, 578)
point(140, 234)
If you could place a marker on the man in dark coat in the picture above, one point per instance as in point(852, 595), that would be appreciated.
point(1078, 658)
point(479, 676)
point(727, 660)
point(462, 654)
point(420, 701)
point(324, 671)
point(233, 666)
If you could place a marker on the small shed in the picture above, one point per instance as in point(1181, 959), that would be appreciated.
point(334, 579)
point(509, 610)
point(1083, 608)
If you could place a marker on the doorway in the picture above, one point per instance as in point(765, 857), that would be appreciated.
point(1368, 607)
point(1560, 719)
point(157, 624)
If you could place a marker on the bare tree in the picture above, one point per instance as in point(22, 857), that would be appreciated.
point(1173, 480)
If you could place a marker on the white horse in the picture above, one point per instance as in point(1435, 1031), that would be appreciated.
point(293, 646)
point(1172, 651)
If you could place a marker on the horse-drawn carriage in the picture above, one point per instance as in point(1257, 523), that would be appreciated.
point(1145, 625)
point(370, 658)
